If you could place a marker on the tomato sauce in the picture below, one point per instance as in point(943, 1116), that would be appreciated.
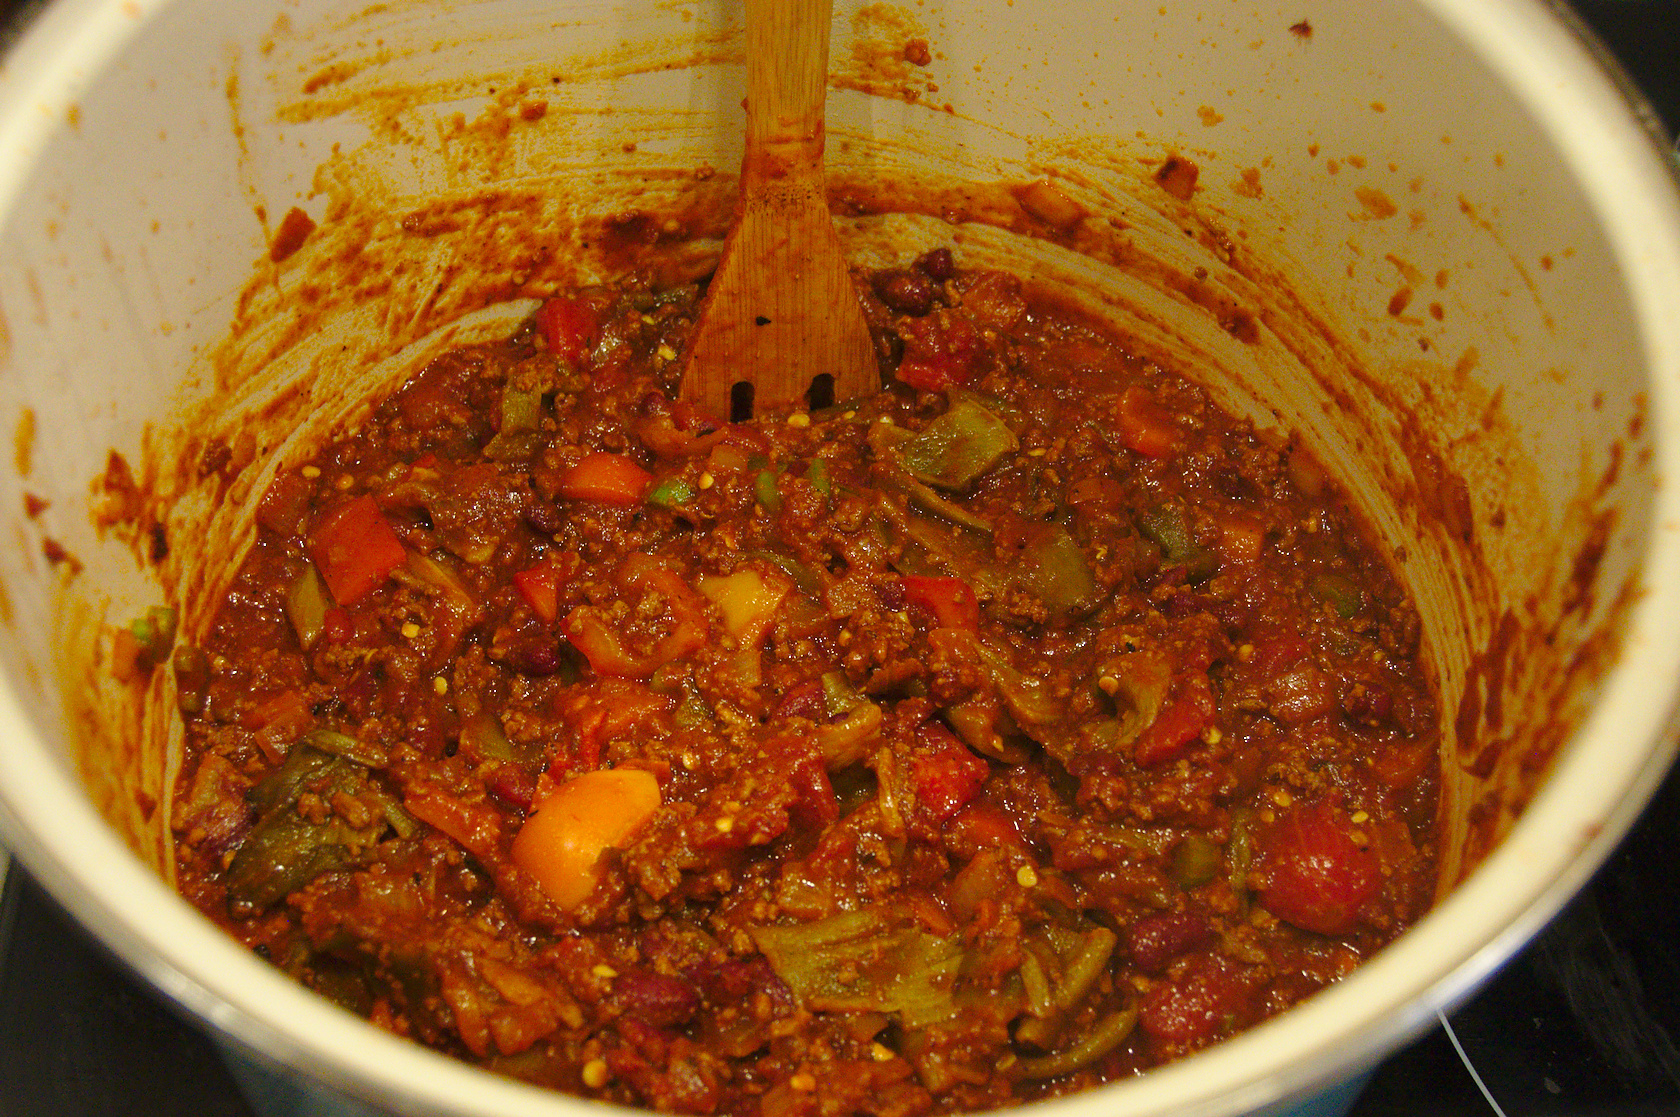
point(1017, 729)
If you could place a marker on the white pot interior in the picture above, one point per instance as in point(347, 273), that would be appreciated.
point(1428, 237)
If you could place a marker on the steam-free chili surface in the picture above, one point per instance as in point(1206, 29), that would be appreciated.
point(1013, 731)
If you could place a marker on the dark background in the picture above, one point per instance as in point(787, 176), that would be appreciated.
point(1581, 1024)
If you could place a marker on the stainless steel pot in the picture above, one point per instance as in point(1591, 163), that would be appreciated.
point(1432, 237)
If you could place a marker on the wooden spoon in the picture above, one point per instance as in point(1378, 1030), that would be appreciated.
point(782, 312)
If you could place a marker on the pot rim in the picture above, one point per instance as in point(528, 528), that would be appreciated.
point(1586, 108)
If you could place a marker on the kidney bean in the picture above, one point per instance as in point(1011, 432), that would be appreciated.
point(1157, 939)
point(804, 701)
point(512, 786)
point(937, 264)
point(656, 999)
point(544, 517)
point(535, 653)
point(733, 981)
point(908, 292)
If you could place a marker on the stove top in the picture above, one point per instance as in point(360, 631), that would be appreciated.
point(1583, 1023)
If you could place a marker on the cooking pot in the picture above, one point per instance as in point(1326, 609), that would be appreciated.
point(1434, 239)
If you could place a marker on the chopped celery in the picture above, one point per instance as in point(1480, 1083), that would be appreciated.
point(958, 446)
point(1027, 699)
point(518, 436)
point(1195, 860)
point(286, 849)
point(975, 722)
point(839, 696)
point(1168, 526)
point(1056, 572)
point(1239, 851)
point(765, 491)
point(859, 962)
point(927, 500)
point(804, 577)
point(306, 605)
point(1338, 592)
point(817, 474)
point(845, 742)
point(1083, 965)
point(693, 712)
point(365, 753)
point(521, 408)
point(516, 447)
point(1138, 683)
point(440, 581)
point(1104, 1036)
point(482, 737)
point(670, 493)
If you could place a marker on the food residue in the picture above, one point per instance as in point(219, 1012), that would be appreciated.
point(1177, 176)
point(1377, 204)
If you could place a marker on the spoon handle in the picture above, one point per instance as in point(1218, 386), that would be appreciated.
point(787, 86)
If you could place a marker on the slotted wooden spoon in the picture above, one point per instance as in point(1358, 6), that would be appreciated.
point(782, 312)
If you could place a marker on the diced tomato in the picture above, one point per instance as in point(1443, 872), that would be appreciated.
point(1301, 694)
point(944, 773)
point(1145, 426)
point(590, 634)
point(569, 326)
point(278, 721)
point(933, 374)
point(977, 827)
point(337, 628)
point(286, 503)
point(1096, 493)
point(539, 585)
point(814, 805)
point(1242, 539)
point(1403, 763)
point(1188, 710)
point(930, 913)
point(1277, 653)
point(1208, 999)
point(355, 549)
point(606, 478)
point(1314, 874)
point(606, 709)
point(950, 600)
point(939, 351)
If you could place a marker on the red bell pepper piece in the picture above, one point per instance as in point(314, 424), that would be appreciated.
point(950, 600)
point(569, 326)
point(606, 478)
point(539, 585)
point(355, 549)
